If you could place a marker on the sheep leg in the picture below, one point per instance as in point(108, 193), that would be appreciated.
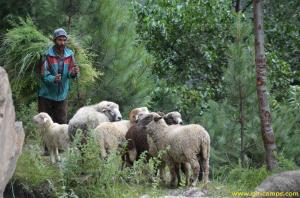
point(162, 172)
point(52, 156)
point(103, 153)
point(196, 169)
point(206, 172)
point(205, 157)
point(132, 154)
point(57, 155)
point(172, 167)
point(185, 169)
point(177, 169)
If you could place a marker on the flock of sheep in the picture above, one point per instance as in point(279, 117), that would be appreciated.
point(185, 146)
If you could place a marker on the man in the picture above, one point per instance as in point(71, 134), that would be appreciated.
point(58, 68)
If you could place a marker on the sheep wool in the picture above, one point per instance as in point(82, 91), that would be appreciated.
point(183, 144)
point(111, 135)
point(54, 135)
point(89, 117)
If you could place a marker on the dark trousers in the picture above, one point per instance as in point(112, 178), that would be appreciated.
point(57, 110)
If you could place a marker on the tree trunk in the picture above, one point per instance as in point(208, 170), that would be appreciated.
point(70, 14)
point(238, 5)
point(261, 78)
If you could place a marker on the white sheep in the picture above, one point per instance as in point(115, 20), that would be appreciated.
point(183, 143)
point(89, 117)
point(110, 135)
point(54, 135)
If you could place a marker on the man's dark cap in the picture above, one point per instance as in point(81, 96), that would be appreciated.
point(59, 32)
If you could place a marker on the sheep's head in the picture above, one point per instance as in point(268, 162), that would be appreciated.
point(42, 119)
point(111, 110)
point(173, 118)
point(135, 113)
point(151, 121)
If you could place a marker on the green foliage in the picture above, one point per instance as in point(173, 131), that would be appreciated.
point(285, 122)
point(282, 20)
point(110, 33)
point(188, 39)
point(25, 114)
point(11, 10)
point(241, 178)
point(239, 110)
point(83, 173)
point(221, 122)
point(246, 179)
point(32, 170)
point(279, 76)
point(21, 51)
point(189, 102)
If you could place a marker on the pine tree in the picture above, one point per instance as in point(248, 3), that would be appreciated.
point(240, 78)
point(109, 32)
point(233, 123)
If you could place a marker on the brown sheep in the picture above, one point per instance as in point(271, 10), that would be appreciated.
point(110, 135)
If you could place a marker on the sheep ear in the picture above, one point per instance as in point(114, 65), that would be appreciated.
point(104, 109)
point(161, 113)
point(146, 120)
point(144, 109)
point(157, 118)
point(45, 120)
point(136, 117)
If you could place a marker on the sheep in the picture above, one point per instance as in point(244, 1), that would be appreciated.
point(89, 117)
point(110, 135)
point(173, 117)
point(54, 135)
point(183, 144)
point(138, 141)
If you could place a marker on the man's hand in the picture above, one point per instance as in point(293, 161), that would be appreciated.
point(75, 70)
point(58, 78)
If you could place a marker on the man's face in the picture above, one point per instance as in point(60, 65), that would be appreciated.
point(61, 41)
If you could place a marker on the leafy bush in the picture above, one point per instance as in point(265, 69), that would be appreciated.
point(25, 113)
point(83, 173)
point(189, 102)
point(32, 169)
point(285, 121)
point(247, 178)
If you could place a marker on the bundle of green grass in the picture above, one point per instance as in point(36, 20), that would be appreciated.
point(21, 50)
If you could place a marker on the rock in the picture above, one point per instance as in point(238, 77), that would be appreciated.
point(184, 193)
point(145, 196)
point(11, 133)
point(288, 181)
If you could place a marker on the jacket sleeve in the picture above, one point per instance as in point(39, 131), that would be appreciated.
point(71, 66)
point(48, 78)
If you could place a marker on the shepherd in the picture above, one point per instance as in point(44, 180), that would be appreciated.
point(58, 67)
